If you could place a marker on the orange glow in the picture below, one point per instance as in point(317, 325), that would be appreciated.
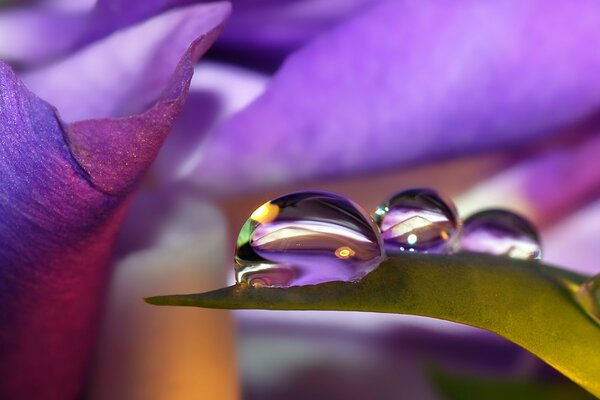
point(444, 235)
point(344, 252)
point(265, 213)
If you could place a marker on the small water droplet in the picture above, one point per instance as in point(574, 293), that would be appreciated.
point(307, 238)
point(588, 296)
point(501, 232)
point(418, 220)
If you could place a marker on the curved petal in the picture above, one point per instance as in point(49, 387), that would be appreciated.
point(409, 82)
point(37, 34)
point(29, 35)
point(63, 195)
point(219, 90)
point(122, 74)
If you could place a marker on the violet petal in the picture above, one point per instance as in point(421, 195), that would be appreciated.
point(409, 82)
point(30, 35)
point(63, 195)
point(545, 187)
point(573, 242)
point(125, 72)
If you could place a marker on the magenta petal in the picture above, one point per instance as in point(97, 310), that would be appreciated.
point(409, 82)
point(62, 198)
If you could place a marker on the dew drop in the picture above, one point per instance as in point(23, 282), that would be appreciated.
point(588, 296)
point(501, 232)
point(418, 220)
point(306, 238)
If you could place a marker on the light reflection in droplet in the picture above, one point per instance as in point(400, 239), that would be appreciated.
point(307, 238)
point(418, 220)
point(501, 232)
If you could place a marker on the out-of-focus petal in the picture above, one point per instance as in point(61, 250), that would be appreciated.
point(285, 25)
point(29, 35)
point(409, 82)
point(217, 91)
point(63, 195)
point(111, 15)
point(262, 33)
point(312, 361)
point(41, 33)
point(573, 242)
point(125, 72)
point(545, 187)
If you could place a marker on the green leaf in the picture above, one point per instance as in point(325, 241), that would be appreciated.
point(529, 303)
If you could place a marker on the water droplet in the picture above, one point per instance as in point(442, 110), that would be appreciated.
point(418, 220)
point(588, 296)
point(307, 238)
point(501, 232)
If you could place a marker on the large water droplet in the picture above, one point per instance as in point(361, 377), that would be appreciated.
point(307, 238)
point(588, 296)
point(501, 232)
point(418, 220)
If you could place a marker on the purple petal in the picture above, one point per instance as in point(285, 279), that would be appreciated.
point(125, 72)
point(34, 35)
point(40, 34)
point(546, 186)
point(261, 34)
point(218, 90)
point(111, 15)
point(574, 241)
point(409, 82)
point(285, 25)
point(64, 192)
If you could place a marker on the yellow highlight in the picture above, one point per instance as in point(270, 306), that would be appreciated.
point(444, 235)
point(344, 252)
point(265, 213)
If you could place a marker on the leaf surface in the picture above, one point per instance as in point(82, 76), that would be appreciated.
point(529, 303)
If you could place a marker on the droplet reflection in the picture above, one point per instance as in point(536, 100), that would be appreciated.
point(307, 238)
point(418, 220)
point(501, 232)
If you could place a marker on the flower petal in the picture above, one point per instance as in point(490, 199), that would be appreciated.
point(574, 241)
point(29, 35)
point(545, 187)
point(63, 195)
point(219, 90)
point(125, 72)
point(409, 82)
point(261, 34)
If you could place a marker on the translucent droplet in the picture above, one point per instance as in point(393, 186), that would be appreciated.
point(589, 297)
point(418, 220)
point(307, 238)
point(501, 232)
